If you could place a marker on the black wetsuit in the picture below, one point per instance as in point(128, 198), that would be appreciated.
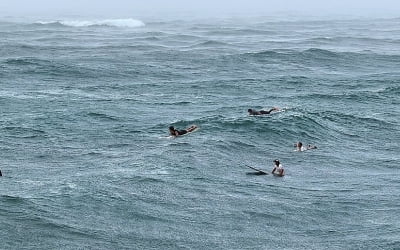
point(176, 132)
point(181, 132)
point(261, 112)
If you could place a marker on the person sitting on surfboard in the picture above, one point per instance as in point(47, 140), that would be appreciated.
point(278, 169)
point(261, 112)
point(299, 147)
point(176, 132)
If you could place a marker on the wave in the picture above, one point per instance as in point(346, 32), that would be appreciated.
point(286, 123)
point(319, 57)
point(288, 53)
point(24, 132)
point(25, 61)
point(31, 65)
point(240, 32)
point(12, 199)
point(211, 44)
point(127, 23)
point(102, 116)
point(393, 91)
point(295, 123)
point(349, 39)
point(320, 53)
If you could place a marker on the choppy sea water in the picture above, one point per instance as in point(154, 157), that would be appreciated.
point(87, 163)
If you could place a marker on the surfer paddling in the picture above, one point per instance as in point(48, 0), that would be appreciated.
point(278, 169)
point(262, 112)
point(175, 132)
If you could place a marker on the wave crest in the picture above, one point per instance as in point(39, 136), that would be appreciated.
point(127, 23)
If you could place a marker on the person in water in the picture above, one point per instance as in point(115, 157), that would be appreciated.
point(299, 147)
point(261, 112)
point(278, 169)
point(175, 132)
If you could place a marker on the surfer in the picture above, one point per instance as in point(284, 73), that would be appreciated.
point(176, 132)
point(299, 147)
point(261, 112)
point(278, 168)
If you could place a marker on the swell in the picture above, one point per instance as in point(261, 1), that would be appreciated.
point(239, 32)
point(36, 66)
point(101, 116)
point(316, 55)
point(287, 127)
point(353, 121)
point(392, 90)
point(10, 199)
point(27, 61)
point(35, 216)
point(359, 40)
point(23, 132)
point(360, 96)
point(79, 47)
point(211, 44)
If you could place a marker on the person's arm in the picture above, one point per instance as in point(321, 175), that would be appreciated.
point(273, 170)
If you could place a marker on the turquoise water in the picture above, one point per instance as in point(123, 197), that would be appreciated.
point(87, 162)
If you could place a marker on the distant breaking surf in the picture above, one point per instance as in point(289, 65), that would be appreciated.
point(130, 23)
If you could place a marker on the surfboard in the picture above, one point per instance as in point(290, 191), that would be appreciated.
point(259, 172)
point(194, 130)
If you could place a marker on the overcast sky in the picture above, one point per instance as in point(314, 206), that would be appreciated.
point(137, 8)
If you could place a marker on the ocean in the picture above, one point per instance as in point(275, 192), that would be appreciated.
point(87, 161)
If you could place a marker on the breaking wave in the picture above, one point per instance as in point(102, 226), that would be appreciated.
point(129, 23)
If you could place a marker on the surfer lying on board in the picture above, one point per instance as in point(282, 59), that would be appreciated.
point(176, 132)
point(261, 112)
point(299, 147)
point(278, 168)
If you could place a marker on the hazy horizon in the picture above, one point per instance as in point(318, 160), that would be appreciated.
point(205, 8)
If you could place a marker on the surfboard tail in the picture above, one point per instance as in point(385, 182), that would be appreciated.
point(259, 171)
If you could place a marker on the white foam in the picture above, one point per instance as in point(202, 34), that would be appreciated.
point(129, 23)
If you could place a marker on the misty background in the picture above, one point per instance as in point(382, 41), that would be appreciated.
point(191, 8)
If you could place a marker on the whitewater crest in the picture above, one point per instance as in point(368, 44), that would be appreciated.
point(129, 23)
